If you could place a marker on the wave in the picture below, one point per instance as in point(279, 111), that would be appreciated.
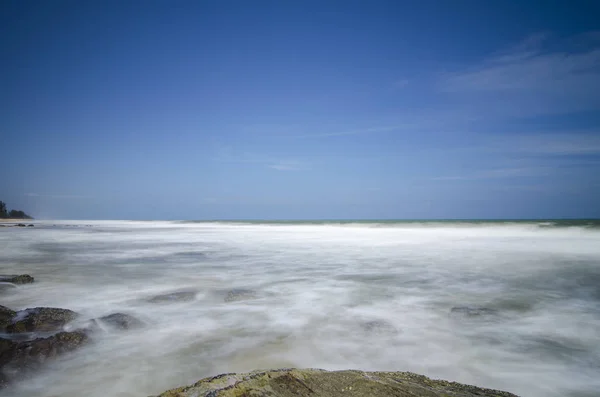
point(546, 223)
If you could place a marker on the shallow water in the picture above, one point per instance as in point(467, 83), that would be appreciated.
point(371, 296)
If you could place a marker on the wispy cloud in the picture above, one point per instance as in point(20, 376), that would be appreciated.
point(529, 79)
point(408, 127)
point(57, 196)
point(499, 173)
point(227, 154)
point(401, 83)
point(286, 167)
point(574, 143)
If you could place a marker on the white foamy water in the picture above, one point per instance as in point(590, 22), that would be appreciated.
point(331, 296)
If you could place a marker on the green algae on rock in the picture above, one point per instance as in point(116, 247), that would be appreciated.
point(320, 383)
point(6, 316)
point(41, 319)
point(20, 359)
point(121, 321)
point(16, 279)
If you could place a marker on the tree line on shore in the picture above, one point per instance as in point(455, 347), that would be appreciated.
point(16, 214)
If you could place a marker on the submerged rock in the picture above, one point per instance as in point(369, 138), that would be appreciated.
point(17, 359)
point(379, 327)
point(16, 279)
point(41, 319)
point(179, 296)
point(320, 383)
point(240, 294)
point(469, 311)
point(121, 321)
point(6, 316)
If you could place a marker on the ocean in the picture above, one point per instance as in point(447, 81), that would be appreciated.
point(511, 305)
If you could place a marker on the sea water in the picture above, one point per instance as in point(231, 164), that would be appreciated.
point(507, 305)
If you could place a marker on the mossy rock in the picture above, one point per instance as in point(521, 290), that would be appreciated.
point(6, 316)
point(121, 321)
point(319, 383)
point(16, 279)
point(41, 319)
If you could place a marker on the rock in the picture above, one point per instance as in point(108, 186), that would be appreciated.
point(41, 319)
point(240, 294)
point(180, 296)
point(17, 359)
point(6, 316)
point(16, 279)
point(379, 327)
point(121, 321)
point(320, 383)
point(469, 311)
point(21, 225)
point(6, 286)
point(31, 225)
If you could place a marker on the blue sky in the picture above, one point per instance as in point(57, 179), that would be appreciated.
point(307, 109)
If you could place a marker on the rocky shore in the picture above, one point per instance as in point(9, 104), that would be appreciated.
point(32, 338)
point(320, 383)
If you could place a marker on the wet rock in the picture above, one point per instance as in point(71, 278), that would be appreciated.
point(16, 279)
point(379, 327)
point(6, 287)
point(21, 225)
point(18, 359)
point(240, 294)
point(41, 319)
point(179, 296)
point(31, 225)
point(121, 321)
point(470, 311)
point(320, 383)
point(6, 316)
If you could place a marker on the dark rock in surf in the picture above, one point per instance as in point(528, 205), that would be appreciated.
point(41, 319)
point(240, 294)
point(121, 321)
point(6, 316)
point(16, 279)
point(179, 296)
point(18, 359)
point(31, 225)
point(470, 311)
